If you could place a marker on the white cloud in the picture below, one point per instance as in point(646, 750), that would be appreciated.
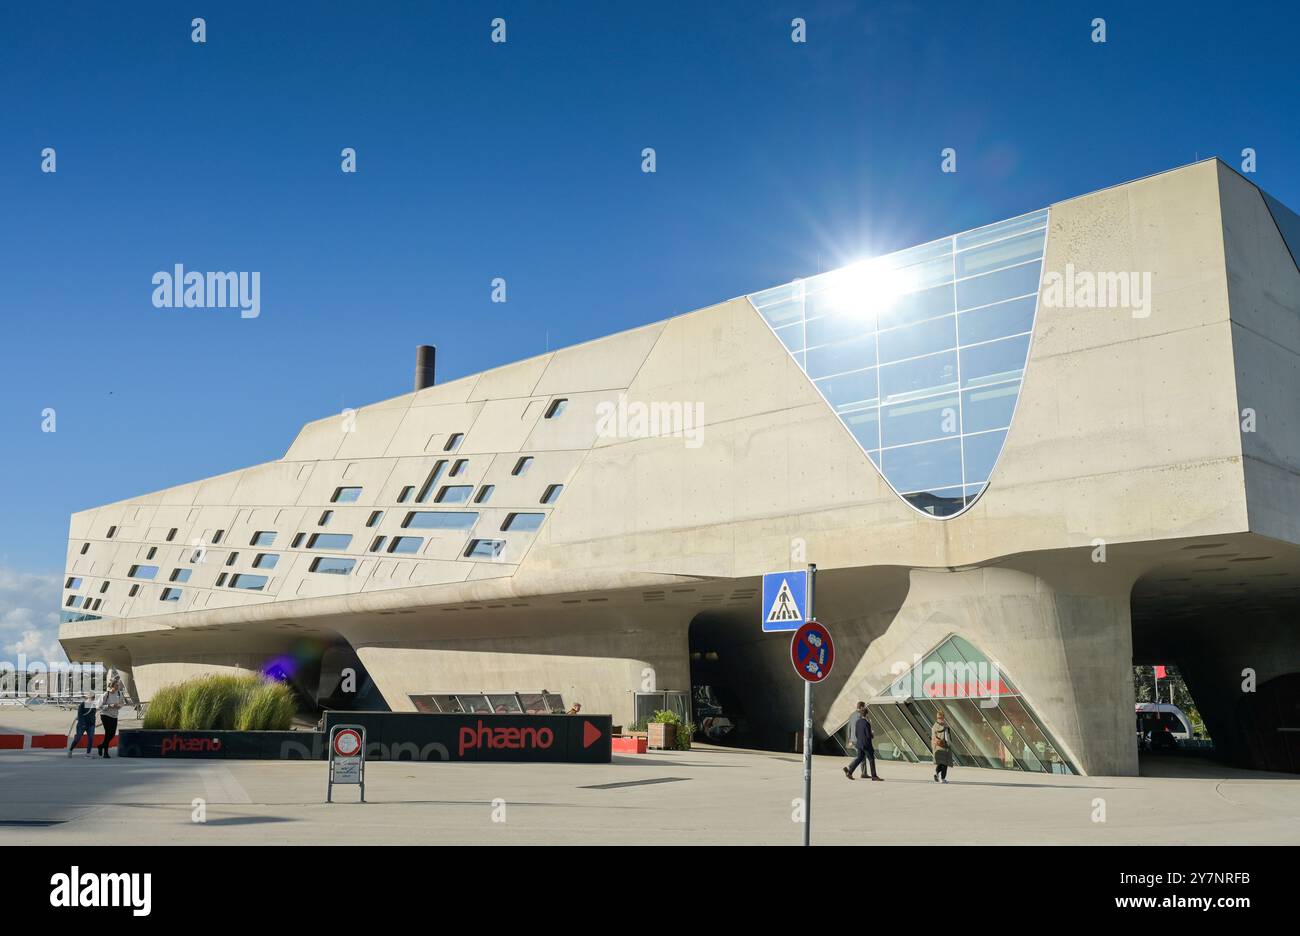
point(29, 617)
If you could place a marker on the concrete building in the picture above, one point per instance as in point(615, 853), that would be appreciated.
point(1056, 446)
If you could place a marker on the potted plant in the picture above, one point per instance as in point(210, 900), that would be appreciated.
point(667, 731)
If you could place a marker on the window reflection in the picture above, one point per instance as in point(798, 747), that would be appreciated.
point(890, 343)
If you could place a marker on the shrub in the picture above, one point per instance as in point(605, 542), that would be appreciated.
point(268, 707)
point(684, 729)
point(164, 709)
point(218, 702)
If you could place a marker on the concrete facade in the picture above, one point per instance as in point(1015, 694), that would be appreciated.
point(1125, 457)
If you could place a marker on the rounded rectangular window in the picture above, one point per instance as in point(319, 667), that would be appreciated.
point(484, 549)
point(523, 522)
point(332, 565)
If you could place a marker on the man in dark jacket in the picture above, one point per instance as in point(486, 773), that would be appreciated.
point(862, 740)
point(85, 724)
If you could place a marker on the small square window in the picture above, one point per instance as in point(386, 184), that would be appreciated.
point(98, 602)
point(216, 537)
point(153, 551)
point(297, 541)
point(406, 494)
point(221, 579)
point(72, 599)
point(484, 494)
point(552, 493)
point(325, 518)
point(103, 588)
point(72, 582)
point(522, 465)
point(374, 518)
point(135, 590)
point(265, 560)
point(454, 441)
point(180, 575)
point(112, 531)
point(171, 534)
point(556, 408)
point(232, 558)
point(170, 594)
point(85, 547)
point(377, 544)
point(461, 465)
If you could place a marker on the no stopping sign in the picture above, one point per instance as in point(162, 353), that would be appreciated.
point(347, 743)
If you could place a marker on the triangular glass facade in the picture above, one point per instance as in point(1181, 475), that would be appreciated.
point(989, 723)
point(921, 353)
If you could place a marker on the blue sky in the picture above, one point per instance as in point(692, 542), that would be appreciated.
point(520, 160)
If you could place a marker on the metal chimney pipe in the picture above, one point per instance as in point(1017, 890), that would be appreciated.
point(424, 361)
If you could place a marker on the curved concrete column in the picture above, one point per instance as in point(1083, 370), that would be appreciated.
point(1058, 628)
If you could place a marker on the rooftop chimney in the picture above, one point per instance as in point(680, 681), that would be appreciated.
point(424, 358)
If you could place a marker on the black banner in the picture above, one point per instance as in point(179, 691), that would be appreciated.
point(401, 736)
point(578, 739)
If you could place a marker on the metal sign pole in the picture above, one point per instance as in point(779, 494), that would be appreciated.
point(808, 725)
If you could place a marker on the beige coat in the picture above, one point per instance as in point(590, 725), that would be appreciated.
point(939, 743)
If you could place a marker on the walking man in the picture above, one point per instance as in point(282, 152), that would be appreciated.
point(862, 740)
point(84, 725)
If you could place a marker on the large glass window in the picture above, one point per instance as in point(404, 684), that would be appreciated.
point(927, 345)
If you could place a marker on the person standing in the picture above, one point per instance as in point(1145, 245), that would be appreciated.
point(84, 725)
point(110, 703)
point(863, 740)
point(940, 744)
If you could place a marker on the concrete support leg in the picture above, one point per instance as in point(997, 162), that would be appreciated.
point(1058, 627)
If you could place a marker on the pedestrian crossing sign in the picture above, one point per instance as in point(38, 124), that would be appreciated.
point(785, 601)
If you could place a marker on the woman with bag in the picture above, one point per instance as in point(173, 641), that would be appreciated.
point(110, 703)
point(940, 744)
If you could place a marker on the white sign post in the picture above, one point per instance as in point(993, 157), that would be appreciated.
point(347, 758)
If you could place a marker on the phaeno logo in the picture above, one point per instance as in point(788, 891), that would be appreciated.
point(102, 890)
point(178, 745)
point(504, 738)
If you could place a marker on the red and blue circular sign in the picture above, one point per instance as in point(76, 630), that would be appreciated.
point(812, 652)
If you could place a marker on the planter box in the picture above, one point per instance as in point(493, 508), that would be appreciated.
point(661, 736)
point(243, 745)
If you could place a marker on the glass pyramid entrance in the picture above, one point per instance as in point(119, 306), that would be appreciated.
point(989, 723)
